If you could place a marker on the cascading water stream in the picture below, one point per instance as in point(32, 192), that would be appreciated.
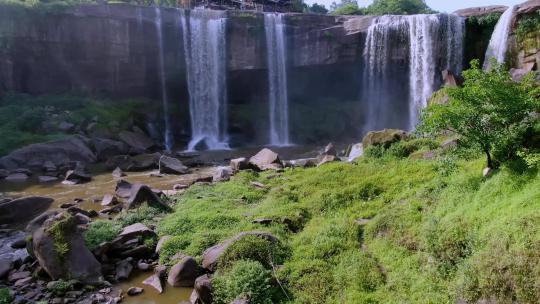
point(433, 42)
point(498, 44)
point(204, 46)
point(277, 79)
point(164, 98)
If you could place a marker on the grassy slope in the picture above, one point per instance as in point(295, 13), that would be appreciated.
point(432, 238)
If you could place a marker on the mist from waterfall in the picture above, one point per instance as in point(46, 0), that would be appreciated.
point(498, 44)
point(168, 138)
point(277, 79)
point(205, 52)
point(433, 43)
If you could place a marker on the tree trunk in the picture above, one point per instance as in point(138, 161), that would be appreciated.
point(489, 160)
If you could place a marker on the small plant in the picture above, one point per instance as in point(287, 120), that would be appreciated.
point(58, 232)
point(5, 296)
point(100, 231)
point(527, 25)
point(252, 247)
point(60, 287)
point(248, 279)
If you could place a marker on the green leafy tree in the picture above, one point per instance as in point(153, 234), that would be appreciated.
point(346, 7)
point(398, 7)
point(491, 113)
point(318, 9)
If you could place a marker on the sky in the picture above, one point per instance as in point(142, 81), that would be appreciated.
point(438, 5)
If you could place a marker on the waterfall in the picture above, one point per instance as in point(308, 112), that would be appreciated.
point(498, 44)
point(204, 46)
point(168, 138)
point(277, 79)
point(433, 43)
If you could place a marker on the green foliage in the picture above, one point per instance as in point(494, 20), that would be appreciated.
point(60, 287)
point(348, 9)
point(245, 279)
point(100, 231)
point(27, 119)
point(145, 214)
point(317, 9)
point(529, 24)
point(58, 231)
point(254, 248)
point(489, 20)
point(398, 7)
point(5, 296)
point(490, 113)
point(401, 149)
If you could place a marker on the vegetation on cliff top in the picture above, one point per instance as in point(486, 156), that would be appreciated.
point(381, 7)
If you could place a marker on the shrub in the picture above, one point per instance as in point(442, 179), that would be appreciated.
point(252, 247)
point(144, 214)
point(5, 296)
point(60, 287)
point(404, 149)
point(245, 279)
point(100, 231)
point(528, 24)
point(490, 113)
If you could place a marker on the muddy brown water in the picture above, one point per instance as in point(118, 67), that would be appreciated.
point(170, 295)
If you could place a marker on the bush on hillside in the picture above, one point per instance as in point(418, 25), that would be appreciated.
point(247, 279)
point(490, 113)
point(100, 231)
point(5, 296)
point(254, 248)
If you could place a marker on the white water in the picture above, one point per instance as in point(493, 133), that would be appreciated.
point(435, 43)
point(498, 44)
point(277, 79)
point(168, 138)
point(204, 45)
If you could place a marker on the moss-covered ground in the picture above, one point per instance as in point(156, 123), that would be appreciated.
point(382, 230)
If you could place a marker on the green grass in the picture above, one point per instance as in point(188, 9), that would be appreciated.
point(5, 296)
point(432, 235)
point(26, 119)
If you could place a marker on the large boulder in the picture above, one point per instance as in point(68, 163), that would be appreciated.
point(78, 175)
point(136, 140)
point(140, 194)
point(528, 7)
point(107, 148)
point(384, 137)
point(184, 273)
point(222, 174)
point(171, 165)
point(60, 152)
point(203, 290)
point(238, 164)
point(265, 159)
point(211, 255)
point(59, 247)
point(22, 210)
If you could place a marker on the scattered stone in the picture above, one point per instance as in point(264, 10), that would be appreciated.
point(330, 150)
point(140, 193)
point(123, 269)
point(155, 282)
point(266, 159)
point(258, 185)
point(22, 210)
point(17, 177)
point(362, 221)
point(137, 230)
point(204, 289)
point(19, 275)
point(222, 174)
point(143, 266)
point(170, 165)
point(49, 166)
point(111, 210)
point(241, 300)
point(19, 244)
point(356, 151)
point(238, 164)
point(118, 173)
point(487, 172)
point(449, 144)
point(262, 221)
point(6, 264)
point(144, 162)
point(136, 140)
point(47, 179)
point(107, 148)
point(23, 282)
point(302, 163)
point(109, 200)
point(123, 189)
point(133, 291)
point(327, 159)
point(67, 205)
point(184, 273)
point(78, 175)
point(180, 187)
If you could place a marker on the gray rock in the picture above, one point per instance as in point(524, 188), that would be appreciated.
point(481, 11)
point(6, 264)
point(47, 179)
point(265, 159)
point(78, 175)
point(60, 153)
point(123, 269)
point(330, 150)
point(140, 193)
point(238, 164)
point(204, 289)
point(22, 210)
point(123, 189)
point(107, 148)
point(170, 165)
point(222, 174)
point(184, 273)
point(161, 242)
point(155, 282)
point(109, 200)
point(118, 173)
point(75, 261)
point(136, 140)
point(133, 291)
point(17, 177)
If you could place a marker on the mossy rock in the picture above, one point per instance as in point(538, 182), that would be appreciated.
point(384, 137)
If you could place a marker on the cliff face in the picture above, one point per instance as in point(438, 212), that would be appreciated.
point(114, 48)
